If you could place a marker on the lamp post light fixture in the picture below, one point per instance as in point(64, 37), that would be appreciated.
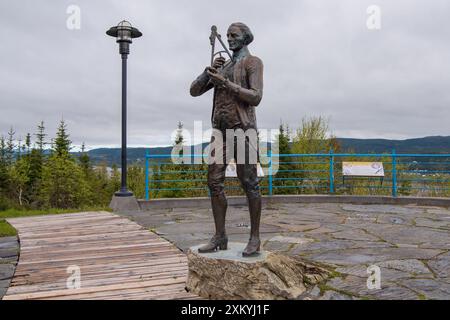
point(124, 33)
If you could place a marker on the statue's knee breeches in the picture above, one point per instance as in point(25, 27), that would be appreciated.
point(248, 176)
point(246, 167)
point(216, 179)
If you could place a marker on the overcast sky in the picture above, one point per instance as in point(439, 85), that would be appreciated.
point(319, 57)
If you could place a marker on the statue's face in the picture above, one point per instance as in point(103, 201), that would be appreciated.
point(236, 39)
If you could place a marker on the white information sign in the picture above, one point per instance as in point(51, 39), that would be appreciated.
point(366, 169)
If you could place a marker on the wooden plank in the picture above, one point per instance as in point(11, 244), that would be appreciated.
point(30, 253)
point(118, 259)
point(93, 237)
point(81, 262)
point(180, 260)
point(99, 280)
point(70, 260)
point(91, 222)
point(102, 245)
point(80, 232)
point(79, 228)
point(164, 294)
point(24, 221)
point(66, 223)
point(37, 283)
point(132, 285)
point(64, 215)
point(41, 245)
point(63, 274)
point(146, 293)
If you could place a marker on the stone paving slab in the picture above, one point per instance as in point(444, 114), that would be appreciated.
point(357, 286)
point(410, 244)
point(429, 288)
point(371, 255)
point(8, 242)
point(6, 271)
point(441, 265)
point(9, 254)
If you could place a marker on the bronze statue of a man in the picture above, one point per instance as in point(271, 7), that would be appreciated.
point(238, 89)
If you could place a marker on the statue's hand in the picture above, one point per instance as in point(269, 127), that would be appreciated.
point(216, 78)
point(218, 63)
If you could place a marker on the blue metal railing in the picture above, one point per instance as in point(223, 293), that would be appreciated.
point(325, 172)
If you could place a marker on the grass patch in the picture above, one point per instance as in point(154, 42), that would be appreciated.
point(422, 296)
point(17, 213)
point(6, 230)
point(335, 274)
point(324, 287)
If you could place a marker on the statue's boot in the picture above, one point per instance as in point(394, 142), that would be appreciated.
point(220, 239)
point(254, 244)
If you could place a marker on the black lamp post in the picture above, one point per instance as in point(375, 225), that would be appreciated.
point(124, 33)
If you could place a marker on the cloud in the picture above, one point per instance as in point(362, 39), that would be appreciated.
point(319, 57)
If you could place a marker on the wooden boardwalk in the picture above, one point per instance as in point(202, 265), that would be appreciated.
point(117, 259)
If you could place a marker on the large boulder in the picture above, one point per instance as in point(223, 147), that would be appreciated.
point(270, 276)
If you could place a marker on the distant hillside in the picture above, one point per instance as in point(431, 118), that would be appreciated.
point(110, 156)
point(113, 155)
point(435, 144)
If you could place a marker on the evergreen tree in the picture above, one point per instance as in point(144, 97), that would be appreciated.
point(28, 142)
point(35, 174)
point(99, 180)
point(35, 158)
point(283, 139)
point(19, 148)
point(20, 176)
point(63, 184)
point(10, 146)
point(35, 161)
point(85, 161)
point(24, 149)
point(180, 169)
point(52, 144)
point(2, 149)
point(40, 137)
point(179, 139)
point(283, 142)
point(61, 144)
point(3, 166)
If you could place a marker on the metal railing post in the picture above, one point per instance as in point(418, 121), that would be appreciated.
point(331, 172)
point(394, 174)
point(270, 174)
point(146, 175)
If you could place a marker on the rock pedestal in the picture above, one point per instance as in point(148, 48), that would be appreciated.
point(269, 276)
